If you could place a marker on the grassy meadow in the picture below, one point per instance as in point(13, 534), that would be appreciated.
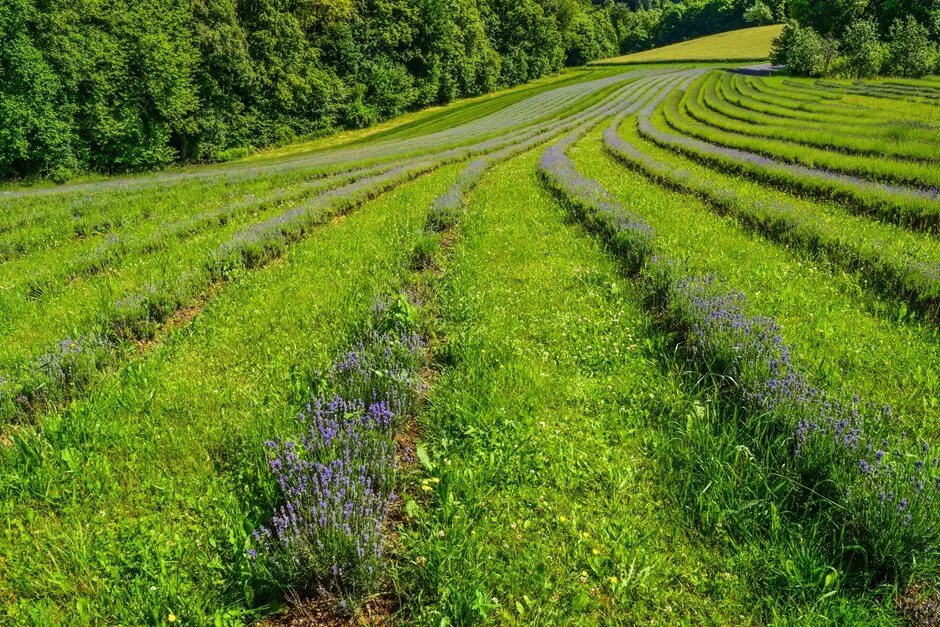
point(746, 44)
point(652, 344)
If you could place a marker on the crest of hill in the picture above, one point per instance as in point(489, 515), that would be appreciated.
point(746, 44)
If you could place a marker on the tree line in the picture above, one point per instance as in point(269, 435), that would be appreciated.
point(122, 85)
point(860, 38)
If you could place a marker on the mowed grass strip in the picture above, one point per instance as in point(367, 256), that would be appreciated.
point(746, 44)
point(543, 505)
point(844, 334)
point(137, 502)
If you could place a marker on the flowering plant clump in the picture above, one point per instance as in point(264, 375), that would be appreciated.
point(883, 486)
point(335, 480)
point(336, 477)
point(384, 366)
point(52, 376)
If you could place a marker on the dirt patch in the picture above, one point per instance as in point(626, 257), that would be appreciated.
point(181, 317)
point(322, 613)
point(919, 608)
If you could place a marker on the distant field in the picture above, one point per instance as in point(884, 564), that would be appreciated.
point(747, 44)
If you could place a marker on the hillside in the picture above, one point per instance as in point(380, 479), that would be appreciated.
point(746, 44)
point(649, 345)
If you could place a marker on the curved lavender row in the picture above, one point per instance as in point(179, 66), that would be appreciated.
point(885, 506)
point(789, 90)
point(108, 213)
point(118, 247)
point(136, 315)
point(878, 91)
point(729, 89)
point(629, 235)
point(878, 488)
point(446, 206)
point(866, 151)
point(516, 114)
point(714, 98)
point(673, 116)
point(892, 204)
point(930, 89)
point(892, 271)
point(319, 164)
point(770, 95)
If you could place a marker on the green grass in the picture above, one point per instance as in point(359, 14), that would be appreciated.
point(573, 460)
point(850, 337)
point(539, 344)
point(138, 501)
point(747, 44)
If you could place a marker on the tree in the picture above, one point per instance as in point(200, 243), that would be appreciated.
point(828, 17)
point(759, 13)
point(829, 52)
point(862, 49)
point(800, 49)
point(910, 52)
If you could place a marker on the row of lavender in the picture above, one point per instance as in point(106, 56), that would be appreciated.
point(102, 208)
point(891, 268)
point(117, 246)
point(447, 206)
point(336, 471)
point(908, 207)
point(856, 151)
point(546, 104)
point(336, 476)
point(70, 365)
point(846, 466)
point(893, 91)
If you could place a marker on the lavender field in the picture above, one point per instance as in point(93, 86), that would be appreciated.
point(631, 344)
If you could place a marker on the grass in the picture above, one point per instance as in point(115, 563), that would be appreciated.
point(517, 390)
point(746, 44)
point(147, 490)
point(593, 444)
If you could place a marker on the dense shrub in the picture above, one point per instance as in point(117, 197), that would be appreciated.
point(759, 14)
point(910, 52)
point(863, 51)
point(800, 49)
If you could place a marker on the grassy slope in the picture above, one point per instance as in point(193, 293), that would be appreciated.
point(540, 353)
point(843, 333)
point(137, 502)
point(746, 44)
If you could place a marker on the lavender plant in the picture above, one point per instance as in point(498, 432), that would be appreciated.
point(336, 476)
point(335, 480)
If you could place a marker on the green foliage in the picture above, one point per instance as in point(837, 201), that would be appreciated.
point(910, 52)
point(127, 86)
point(759, 14)
point(863, 51)
point(800, 49)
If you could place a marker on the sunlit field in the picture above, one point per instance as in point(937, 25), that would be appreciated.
point(626, 345)
point(746, 44)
